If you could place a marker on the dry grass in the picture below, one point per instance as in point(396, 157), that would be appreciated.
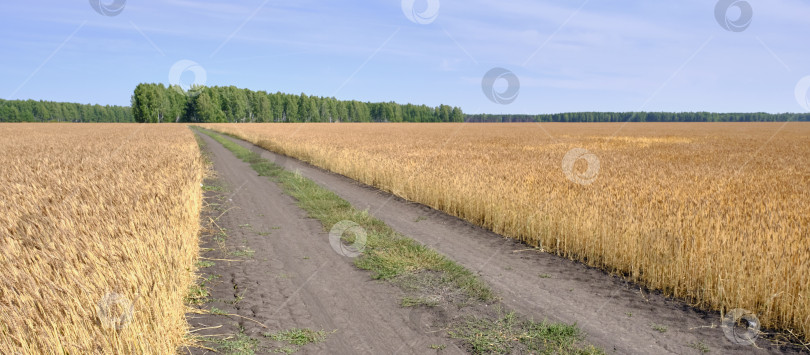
point(717, 214)
point(98, 234)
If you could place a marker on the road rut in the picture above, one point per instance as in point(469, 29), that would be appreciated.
point(294, 279)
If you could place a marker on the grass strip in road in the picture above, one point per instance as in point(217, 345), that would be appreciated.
point(387, 254)
point(507, 334)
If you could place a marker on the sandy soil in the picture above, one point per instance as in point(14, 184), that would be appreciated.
point(619, 317)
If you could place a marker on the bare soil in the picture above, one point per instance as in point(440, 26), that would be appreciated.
point(327, 292)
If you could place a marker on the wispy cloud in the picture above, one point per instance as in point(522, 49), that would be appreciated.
point(592, 54)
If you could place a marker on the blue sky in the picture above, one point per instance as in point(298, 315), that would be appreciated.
point(572, 55)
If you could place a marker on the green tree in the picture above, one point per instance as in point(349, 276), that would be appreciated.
point(207, 107)
point(457, 115)
point(290, 108)
point(260, 108)
point(149, 103)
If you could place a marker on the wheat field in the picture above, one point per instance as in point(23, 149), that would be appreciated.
point(713, 213)
point(98, 235)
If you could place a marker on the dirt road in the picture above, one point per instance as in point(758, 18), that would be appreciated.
point(286, 275)
point(620, 317)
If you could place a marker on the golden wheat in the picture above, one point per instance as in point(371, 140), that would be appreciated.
point(98, 233)
point(713, 213)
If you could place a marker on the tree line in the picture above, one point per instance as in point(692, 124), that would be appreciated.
point(158, 103)
point(642, 117)
point(49, 111)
